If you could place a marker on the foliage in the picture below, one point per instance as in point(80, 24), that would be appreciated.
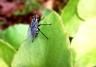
point(17, 50)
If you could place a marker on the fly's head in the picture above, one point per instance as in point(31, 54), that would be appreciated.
point(35, 19)
point(36, 15)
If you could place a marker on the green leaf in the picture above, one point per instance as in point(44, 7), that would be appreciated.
point(84, 45)
point(73, 25)
point(42, 52)
point(71, 18)
point(87, 9)
point(6, 53)
point(69, 11)
point(14, 35)
point(3, 63)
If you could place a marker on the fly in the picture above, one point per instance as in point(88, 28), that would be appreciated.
point(34, 27)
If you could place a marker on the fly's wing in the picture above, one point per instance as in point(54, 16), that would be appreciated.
point(28, 38)
point(32, 32)
point(29, 35)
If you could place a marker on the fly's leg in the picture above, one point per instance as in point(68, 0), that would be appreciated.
point(43, 33)
point(43, 24)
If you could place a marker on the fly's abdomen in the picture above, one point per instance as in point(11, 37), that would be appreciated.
point(34, 30)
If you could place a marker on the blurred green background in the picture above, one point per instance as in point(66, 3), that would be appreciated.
point(71, 35)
